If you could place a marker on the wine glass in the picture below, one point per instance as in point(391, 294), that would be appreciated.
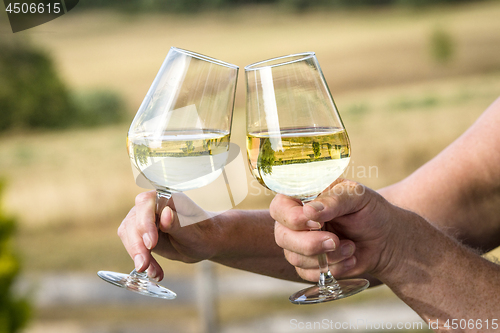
point(179, 138)
point(297, 145)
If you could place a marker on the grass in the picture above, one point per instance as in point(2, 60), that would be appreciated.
point(71, 189)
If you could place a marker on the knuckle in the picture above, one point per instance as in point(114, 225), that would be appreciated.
point(146, 223)
point(121, 231)
point(293, 222)
point(309, 248)
point(308, 274)
point(333, 257)
point(273, 207)
point(142, 197)
point(359, 189)
point(293, 258)
point(278, 233)
point(279, 236)
point(136, 248)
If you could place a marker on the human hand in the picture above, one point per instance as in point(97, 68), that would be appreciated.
point(360, 236)
point(190, 244)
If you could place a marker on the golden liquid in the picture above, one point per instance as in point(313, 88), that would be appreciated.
point(179, 160)
point(301, 162)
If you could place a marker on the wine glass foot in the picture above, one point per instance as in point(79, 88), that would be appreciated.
point(138, 283)
point(332, 292)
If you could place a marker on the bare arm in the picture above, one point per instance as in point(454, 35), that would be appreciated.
point(430, 271)
point(247, 242)
point(459, 190)
point(442, 280)
point(237, 238)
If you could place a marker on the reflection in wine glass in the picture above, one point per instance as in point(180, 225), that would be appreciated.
point(297, 145)
point(179, 138)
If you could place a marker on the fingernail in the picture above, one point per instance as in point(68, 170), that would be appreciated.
point(313, 225)
point(147, 241)
point(138, 261)
point(349, 263)
point(318, 206)
point(347, 250)
point(329, 245)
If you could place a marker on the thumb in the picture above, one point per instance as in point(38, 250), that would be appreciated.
point(169, 220)
point(343, 198)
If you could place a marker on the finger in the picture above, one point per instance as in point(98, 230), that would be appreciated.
point(155, 271)
point(341, 199)
point(289, 212)
point(306, 243)
point(124, 230)
point(169, 220)
point(169, 224)
point(133, 243)
point(338, 270)
point(138, 251)
point(169, 248)
point(145, 226)
point(345, 250)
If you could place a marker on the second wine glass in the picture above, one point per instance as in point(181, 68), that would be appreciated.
point(297, 145)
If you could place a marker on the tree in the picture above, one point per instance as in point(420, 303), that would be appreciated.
point(31, 93)
point(265, 161)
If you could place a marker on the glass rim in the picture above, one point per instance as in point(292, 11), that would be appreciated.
point(258, 65)
point(204, 57)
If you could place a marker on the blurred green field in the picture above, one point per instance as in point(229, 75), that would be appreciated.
point(71, 189)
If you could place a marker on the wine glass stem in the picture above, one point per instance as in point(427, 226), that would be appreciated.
point(162, 197)
point(325, 277)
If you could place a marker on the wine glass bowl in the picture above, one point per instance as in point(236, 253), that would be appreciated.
point(179, 138)
point(297, 144)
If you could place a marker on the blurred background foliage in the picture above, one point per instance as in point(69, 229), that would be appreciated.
point(14, 310)
point(33, 95)
point(442, 45)
point(199, 5)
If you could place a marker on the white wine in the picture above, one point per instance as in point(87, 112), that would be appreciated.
point(180, 160)
point(300, 163)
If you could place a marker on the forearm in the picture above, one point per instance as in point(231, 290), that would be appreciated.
point(247, 242)
point(459, 190)
point(471, 218)
point(441, 279)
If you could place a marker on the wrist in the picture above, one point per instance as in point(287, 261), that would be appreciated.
point(224, 224)
point(244, 234)
point(406, 233)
